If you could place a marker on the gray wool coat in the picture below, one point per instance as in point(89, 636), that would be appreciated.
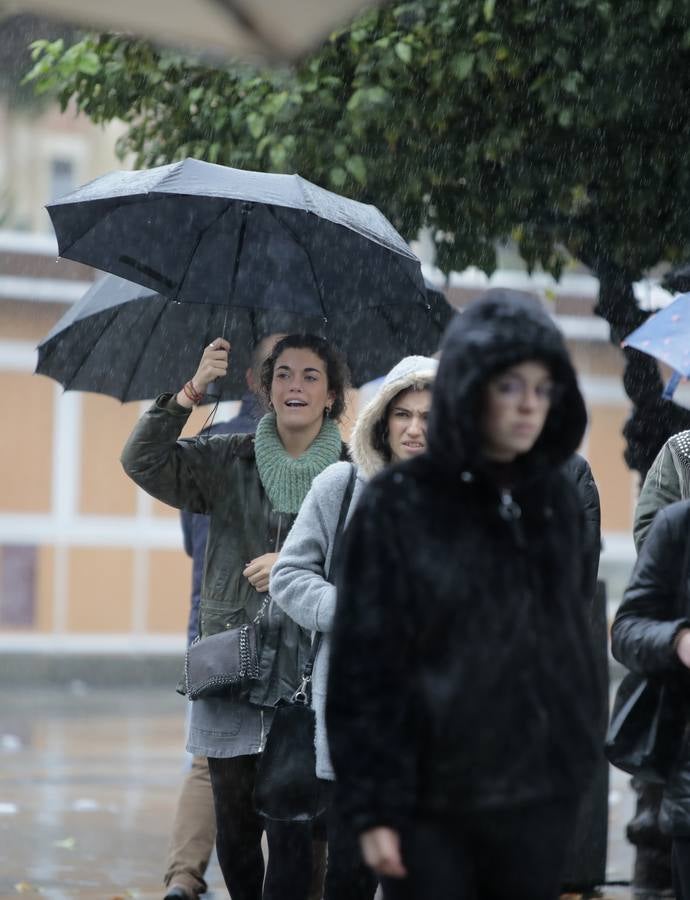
point(299, 586)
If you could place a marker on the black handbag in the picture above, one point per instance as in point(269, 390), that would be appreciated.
point(219, 663)
point(646, 728)
point(648, 717)
point(286, 787)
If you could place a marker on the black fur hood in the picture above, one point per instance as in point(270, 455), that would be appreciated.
point(500, 329)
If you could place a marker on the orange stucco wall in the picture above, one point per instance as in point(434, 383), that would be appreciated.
point(105, 489)
point(170, 578)
point(27, 444)
point(100, 589)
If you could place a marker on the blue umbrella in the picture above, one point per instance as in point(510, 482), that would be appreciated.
point(666, 336)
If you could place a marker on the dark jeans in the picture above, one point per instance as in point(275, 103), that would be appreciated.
point(487, 856)
point(347, 877)
point(238, 838)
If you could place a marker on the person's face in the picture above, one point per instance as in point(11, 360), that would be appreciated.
point(516, 404)
point(299, 390)
point(407, 422)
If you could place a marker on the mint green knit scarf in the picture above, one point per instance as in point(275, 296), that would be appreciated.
point(286, 480)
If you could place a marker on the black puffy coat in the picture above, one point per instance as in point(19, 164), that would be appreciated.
point(462, 673)
point(656, 604)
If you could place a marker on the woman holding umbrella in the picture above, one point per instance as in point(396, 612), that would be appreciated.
point(252, 488)
point(390, 428)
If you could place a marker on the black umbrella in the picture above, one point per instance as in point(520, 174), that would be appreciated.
point(202, 233)
point(126, 341)
point(208, 235)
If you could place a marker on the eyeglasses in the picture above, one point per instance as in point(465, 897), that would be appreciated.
point(514, 387)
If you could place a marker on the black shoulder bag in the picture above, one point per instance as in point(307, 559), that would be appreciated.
point(286, 787)
point(647, 721)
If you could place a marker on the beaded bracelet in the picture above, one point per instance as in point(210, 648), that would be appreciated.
point(192, 394)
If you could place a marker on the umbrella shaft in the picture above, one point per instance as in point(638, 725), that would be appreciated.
point(246, 209)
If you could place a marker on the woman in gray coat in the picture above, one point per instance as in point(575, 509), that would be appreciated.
point(390, 428)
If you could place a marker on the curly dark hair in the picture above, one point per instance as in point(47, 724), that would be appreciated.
point(337, 372)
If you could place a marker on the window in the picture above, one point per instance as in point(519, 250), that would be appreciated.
point(62, 178)
point(17, 586)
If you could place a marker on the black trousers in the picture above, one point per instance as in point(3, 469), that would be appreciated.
point(238, 838)
point(516, 854)
point(347, 877)
point(680, 867)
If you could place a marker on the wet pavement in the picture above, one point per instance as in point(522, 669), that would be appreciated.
point(88, 788)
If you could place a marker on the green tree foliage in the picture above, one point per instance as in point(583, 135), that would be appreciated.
point(562, 124)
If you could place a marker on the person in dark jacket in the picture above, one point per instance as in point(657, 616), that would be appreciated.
point(651, 636)
point(462, 697)
point(252, 488)
point(666, 482)
point(578, 470)
point(586, 861)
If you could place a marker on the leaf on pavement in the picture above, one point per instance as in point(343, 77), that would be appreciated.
point(66, 844)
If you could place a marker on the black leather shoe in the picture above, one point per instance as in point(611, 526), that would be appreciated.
point(177, 892)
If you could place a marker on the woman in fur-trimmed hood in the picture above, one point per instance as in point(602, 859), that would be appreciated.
point(390, 428)
point(462, 698)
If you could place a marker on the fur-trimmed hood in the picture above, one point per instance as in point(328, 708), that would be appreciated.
point(412, 371)
point(500, 329)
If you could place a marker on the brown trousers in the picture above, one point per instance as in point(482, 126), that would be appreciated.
point(194, 836)
point(194, 831)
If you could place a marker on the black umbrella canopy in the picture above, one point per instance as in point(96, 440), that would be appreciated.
point(440, 313)
point(126, 341)
point(677, 279)
point(202, 233)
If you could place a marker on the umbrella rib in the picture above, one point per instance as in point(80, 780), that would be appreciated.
point(306, 253)
point(88, 353)
point(396, 260)
point(202, 233)
point(246, 209)
point(76, 240)
point(383, 312)
point(136, 365)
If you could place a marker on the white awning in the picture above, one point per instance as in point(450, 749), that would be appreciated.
point(276, 30)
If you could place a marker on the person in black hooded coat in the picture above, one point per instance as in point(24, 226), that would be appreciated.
point(463, 702)
point(650, 635)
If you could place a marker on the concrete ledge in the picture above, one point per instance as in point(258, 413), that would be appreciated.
point(112, 670)
point(56, 644)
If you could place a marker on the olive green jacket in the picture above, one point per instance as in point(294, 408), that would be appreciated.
point(667, 481)
point(217, 476)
